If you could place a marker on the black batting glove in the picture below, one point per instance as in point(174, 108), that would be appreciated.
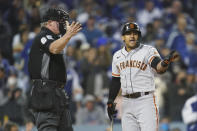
point(111, 110)
point(170, 58)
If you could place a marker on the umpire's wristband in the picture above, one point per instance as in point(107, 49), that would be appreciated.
point(165, 63)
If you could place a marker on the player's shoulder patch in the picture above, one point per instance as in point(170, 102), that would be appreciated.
point(49, 37)
point(43, 40)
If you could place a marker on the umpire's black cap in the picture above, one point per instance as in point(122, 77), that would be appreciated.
point(129, 27)
point(56, 14)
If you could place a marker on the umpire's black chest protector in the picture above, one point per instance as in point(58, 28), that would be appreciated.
point(42, 63)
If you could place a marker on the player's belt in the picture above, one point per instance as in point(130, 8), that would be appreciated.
point(136, 95)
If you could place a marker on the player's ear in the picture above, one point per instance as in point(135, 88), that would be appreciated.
point(123, 38)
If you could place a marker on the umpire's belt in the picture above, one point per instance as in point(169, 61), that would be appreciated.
point(136, 95)
point(49, 83)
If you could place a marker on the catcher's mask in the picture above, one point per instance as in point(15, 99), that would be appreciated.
point(131, 27)
point(59, 15)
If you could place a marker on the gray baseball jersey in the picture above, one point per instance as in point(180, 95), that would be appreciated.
point(134, 69)
point(137, 75)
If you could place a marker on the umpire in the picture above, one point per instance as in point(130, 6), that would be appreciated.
point(48, 100)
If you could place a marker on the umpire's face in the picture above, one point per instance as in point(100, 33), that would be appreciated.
point(130, 39)
point(53, 26)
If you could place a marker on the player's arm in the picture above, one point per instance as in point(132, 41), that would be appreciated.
point(113, 92)
point(114, 88)
point(158, 66)
point(162, 65)
point(58, 45)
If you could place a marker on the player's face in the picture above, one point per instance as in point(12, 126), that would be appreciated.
point(54, 26)
point(130, 40)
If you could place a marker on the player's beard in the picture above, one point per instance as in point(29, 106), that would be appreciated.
point(131, 44)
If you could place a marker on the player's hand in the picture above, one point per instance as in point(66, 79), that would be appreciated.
point(73, 28)
point(173, 56)
point(111, 110)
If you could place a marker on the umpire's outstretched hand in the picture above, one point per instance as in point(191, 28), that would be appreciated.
point(73, 28)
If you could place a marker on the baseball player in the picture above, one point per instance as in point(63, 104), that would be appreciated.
point(133, 69)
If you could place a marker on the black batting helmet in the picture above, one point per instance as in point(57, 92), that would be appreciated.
point(129, 27)
point(56, 14)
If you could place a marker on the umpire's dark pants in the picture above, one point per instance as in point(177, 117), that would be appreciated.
point(50, 107)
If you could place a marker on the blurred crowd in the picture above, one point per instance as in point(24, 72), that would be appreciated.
point(166, 24)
